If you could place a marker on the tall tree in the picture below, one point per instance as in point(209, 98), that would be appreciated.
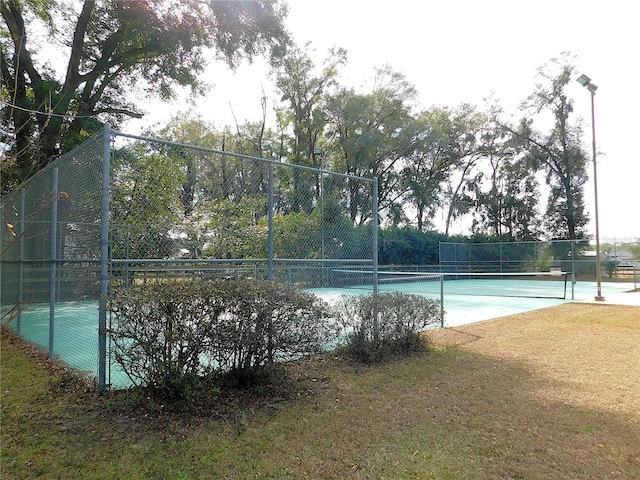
point(303, 93)
point(559, 152)
point(112, 47)
point(506, 190)
point(428, 166)
point(373, 134)
point(465, 149)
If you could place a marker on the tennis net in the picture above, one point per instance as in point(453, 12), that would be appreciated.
point(436, 284)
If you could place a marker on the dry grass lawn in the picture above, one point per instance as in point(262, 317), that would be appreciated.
point(564, 393)
point(551, 394)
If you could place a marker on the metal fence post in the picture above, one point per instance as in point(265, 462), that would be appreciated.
point(104, 258)
point(375, 234)
point(52, 256)
point(573, 269)
point(441, 301)
point(270, 233)
point(23, 196)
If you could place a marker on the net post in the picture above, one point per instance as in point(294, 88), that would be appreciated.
point(104, 258)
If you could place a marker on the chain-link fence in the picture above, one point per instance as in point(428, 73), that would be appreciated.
point(180, 210)
point(575, 257)
point(50, 261)
point(123, 210)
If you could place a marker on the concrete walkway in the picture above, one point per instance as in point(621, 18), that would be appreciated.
point(461, 309)
point(619, 298)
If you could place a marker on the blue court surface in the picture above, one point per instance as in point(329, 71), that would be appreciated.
point(470, 305)
point(75, 332)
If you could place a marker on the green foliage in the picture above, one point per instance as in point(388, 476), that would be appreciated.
point(634, 249)
point(266, 322)
point(408, 246)
point(111, 46)
point(372, 134)
point(233, 230)
point(610, 266)
point(175, 337)
point(558, 153)
point(509, 205)
point(543, 264)
point(385, 325)
point(326, 232)
point(160, 332)
point(144, 202)
point(295, 235)
point(631, 249)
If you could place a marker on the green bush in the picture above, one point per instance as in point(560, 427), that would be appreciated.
point(385, 325)
point(161, 332)
point(265, 323)
point(610, 266)
point(177, 336)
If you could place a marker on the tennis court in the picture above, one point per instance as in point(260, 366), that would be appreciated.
point(75, 337)
point(465, 302)
point(464, 309)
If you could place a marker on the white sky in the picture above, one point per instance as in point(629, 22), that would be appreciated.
point(457, 51)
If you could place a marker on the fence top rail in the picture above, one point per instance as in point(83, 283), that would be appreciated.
point(237, 155)
point(515, 242)
point(235, 261)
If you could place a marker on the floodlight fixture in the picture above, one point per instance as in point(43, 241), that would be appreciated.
point(584, 80)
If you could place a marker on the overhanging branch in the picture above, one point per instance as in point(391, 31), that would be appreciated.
point(118, 111)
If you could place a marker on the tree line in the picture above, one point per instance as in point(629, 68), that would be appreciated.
point(466, 163)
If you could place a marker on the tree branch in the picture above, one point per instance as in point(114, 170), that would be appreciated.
point(73, 75)
point(14, 20)
point(119, 111)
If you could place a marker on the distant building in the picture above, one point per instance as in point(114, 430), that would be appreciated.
point(621, 255)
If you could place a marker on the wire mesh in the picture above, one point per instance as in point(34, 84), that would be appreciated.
point(175, 211)
point(50, 254)
point(498, 257)
point(212, 213)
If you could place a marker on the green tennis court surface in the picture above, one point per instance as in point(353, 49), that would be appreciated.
point(75, 337)
point(502, 298)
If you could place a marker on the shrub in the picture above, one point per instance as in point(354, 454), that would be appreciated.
point(161, 333)
point(171, 336)
point(384, 325)
point(267, 322)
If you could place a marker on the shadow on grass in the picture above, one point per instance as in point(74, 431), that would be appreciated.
point(451, 414)
point(475, 416)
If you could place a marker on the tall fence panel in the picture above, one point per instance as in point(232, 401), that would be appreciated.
point(233, 215)
point(505, 257)
point(156, 210)
point(575, 257)
point(50, 257)
point(183, 211)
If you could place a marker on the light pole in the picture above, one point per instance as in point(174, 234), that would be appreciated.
point(586, 82)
